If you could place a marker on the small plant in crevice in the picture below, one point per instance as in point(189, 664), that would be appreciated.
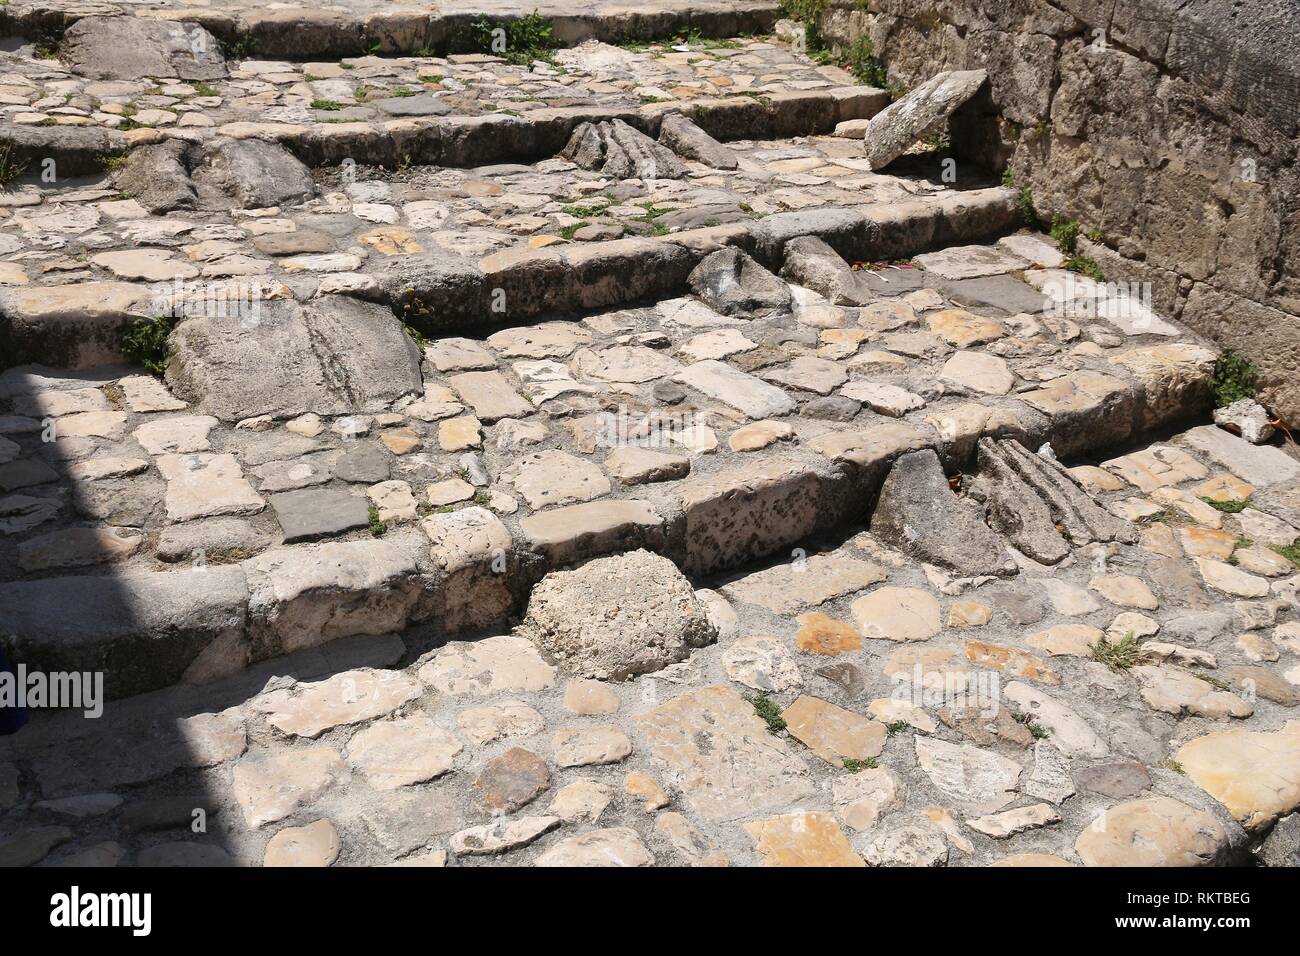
point(1037, 731)
point(1289, 551)
point(853, 765)
point(1009, 178)
point(1235, 378)
point(769, 710)
point(1230, 507)
point(378, 526)
point(860, 59)
point(238, 48)
point(1169, 763)
point(519, 41)
point(145, 343)
point(896, 728)
point(10, 168)
point(1028, 213)
point(1117, 655)
point(1065, 233)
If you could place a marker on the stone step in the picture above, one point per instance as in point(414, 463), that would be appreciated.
point(469, 569)
point(460, 141)
point(348, 28)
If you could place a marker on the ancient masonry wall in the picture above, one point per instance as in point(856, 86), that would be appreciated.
point(1168, 126)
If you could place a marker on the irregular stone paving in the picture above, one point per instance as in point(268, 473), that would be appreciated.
point(303, 549)
point(375, 89)
point(995, 736)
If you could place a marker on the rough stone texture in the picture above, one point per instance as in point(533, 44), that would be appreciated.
point(126, 48)
point(689, 141)
point(732, 283)
point(716, 750)
point(618, 150)
point(891, 131)
point(918, 513)
point(254, 173)
point(1211, 225)
point(618, 617)
point(371, 360)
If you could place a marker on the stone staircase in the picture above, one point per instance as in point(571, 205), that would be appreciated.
point(428, 350)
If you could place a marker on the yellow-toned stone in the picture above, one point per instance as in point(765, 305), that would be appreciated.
point(1206, 542)
point(1074, 640)
point(1011, 660)
point(391, 241)
point(802, 839)
point(400, 440)
point(1157, 831)
point(821, 634)
point(1224, 487)
point(833, 733)
point(969, 614)
point(1254, 774)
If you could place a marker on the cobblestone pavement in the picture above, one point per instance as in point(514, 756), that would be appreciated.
point(785, 512)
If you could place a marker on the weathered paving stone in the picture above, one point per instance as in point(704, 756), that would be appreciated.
point(77, 547)
point(33, 845)
point(821, 634)
point(271, 786)
point(588, 746)
point(206, 485)
point(833, 733)
point(788, 587)
point(556, 478)
point(716, 751)
point(581, 800)
point(1254, 774)
point(511, 780)
point(978, 780)
point(510, 718)
point(495, 664)
point(1177, 692)
point(1008, 823)
point(308, 710)
point(501, 836)
point(316, 844)
point(763, 663)
point(907, 844)
point(802, 839)
point(318, 513)
point(619, 846)
point(617, 617)
point(897, 614)
point(741, 391)
point(1156, 831)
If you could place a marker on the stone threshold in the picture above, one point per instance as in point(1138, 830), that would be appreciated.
point(466, 570)
point(440, 294)
point(302, 32)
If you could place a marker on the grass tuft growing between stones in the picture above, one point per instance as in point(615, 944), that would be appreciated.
point(1227, 507)
point(145, 343)
point(1117, 655)
point(1235, 378)
point(10, 168)
point(897, 727)
point(769, 710)
point(1037, 731)
point(853, 765)
point(378, 527)
point(1290, 551)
